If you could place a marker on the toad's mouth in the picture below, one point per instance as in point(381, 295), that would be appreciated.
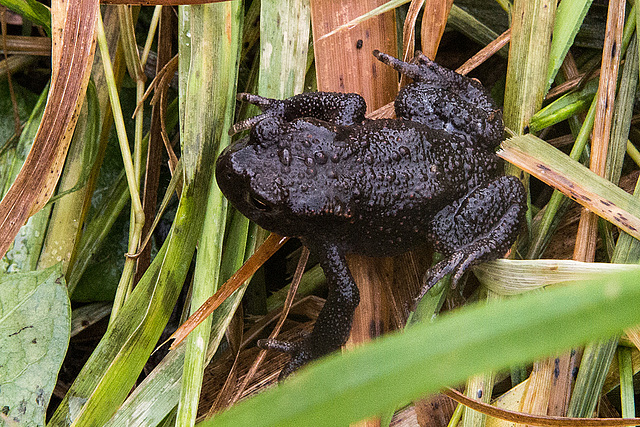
point(233, 182)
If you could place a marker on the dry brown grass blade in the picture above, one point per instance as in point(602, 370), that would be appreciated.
point(587, 229)
point(306, 311)
point(573, 188)
point(434, 20)
point(485, 53)
point(263, 253)
point(535, 420)
point(157, 131)
point(26, 45)
point(575, 82)
point(634, 335)
point(561, 383)
point(171, 66)
point(231, 392)
point(536, 396)
point(297, 277)
point(409, 35)
point(160, 85)
point(160, 2)
point(344, 63)
point(38, 177)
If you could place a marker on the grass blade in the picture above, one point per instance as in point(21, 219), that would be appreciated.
point(339, 389)
point(569, 17)
point(556, 169)
point(213, 59)
point(46, 158)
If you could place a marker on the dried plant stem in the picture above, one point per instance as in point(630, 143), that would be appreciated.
point(587, 229)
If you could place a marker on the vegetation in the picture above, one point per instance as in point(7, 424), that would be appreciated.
point(110, 209)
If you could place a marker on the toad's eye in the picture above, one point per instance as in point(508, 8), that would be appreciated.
point(259, 203)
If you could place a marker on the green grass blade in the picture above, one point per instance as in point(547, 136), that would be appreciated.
point(112, 369)
point(67, 214)
point(215, 31)
point(114, 366)
point(595, 363)
point(564, 107)
point(468, 25)
point(421, 360)
point(528, 56)
point(156, 397)
point(625, 366)
point(284, 42)
point(569, 17)
point(145, 406)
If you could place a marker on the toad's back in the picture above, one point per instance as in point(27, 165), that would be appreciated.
point(375, 186)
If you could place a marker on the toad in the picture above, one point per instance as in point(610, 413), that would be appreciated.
point(314, 167)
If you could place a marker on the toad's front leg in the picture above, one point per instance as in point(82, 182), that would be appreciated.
point(480, 226)
point(343, 109)
point(333, 326)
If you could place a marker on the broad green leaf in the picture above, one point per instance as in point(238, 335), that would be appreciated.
point(405, 366)
point(35, 319)
point(26, 103)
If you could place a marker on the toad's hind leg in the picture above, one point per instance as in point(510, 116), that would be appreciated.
point(333, 325)
point(480, 226)
point(443, 99)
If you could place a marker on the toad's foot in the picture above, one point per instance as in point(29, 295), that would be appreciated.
point(301, 353)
